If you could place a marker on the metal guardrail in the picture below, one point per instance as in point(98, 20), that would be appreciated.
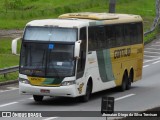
point(156, 20)
point(9, 70)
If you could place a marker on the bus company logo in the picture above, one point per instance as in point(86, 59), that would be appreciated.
point(6, 114)
point(122, 53)
point(80, 88)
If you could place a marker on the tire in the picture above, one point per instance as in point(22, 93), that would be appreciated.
point(130, 79)
point(124, 82)
point(87, 95)
point(128, 85)
point(38, 98)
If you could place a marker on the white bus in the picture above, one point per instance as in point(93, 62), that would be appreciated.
point(80, 53)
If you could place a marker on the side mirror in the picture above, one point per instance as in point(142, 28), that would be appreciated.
point(77, 48)
point(14, 45)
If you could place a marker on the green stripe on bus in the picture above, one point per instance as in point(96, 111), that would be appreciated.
point(52, 81)
point(105, 65)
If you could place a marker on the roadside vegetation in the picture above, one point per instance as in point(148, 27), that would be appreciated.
point(14, 14)
point(7, 59)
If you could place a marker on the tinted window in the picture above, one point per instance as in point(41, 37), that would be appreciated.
point(96, 38)
point(82, 60)
point(119, 35)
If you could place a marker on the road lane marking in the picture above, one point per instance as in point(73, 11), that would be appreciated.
point(156, 45)
point(151, 60)
point(156, 62)
point(157, 42)
point(152, 49)
point(126, 96)
point(12, 88)
point(150, 56)
point(31, 98)
point(50, 118)
point(151, 52)
point(8, 90)
point(145, 66)
point(8, 104)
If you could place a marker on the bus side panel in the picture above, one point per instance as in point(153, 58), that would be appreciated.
point(97, 68)
point(126, 58)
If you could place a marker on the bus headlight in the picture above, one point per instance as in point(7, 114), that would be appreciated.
point(22, 80)
point(67, 83)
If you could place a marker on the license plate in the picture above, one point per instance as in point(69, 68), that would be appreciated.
point(45, 91)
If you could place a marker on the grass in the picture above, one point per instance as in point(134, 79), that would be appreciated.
point(7, 59)
point(152, 35)
point(9, 76)
point(15, 14)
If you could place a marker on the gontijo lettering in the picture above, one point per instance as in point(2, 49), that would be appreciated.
point(122, 53)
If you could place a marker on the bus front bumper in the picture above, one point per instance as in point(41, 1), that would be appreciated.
point(62, 91)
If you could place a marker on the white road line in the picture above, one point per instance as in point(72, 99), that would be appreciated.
point(50, 118)
point(150, 56)
point(156, 45)
point(8, 90)
point(152, 52)
point(145, 66)
point(151, 60)
point(8, 104)
point(31, 98)
point(157, 42)
point(152, 48)
point(126, 96)
point(156, 62)
point(12, 88)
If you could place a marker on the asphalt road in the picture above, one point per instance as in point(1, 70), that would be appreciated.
point(143, 95)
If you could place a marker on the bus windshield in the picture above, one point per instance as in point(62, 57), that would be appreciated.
point(47, 59)
point(50, 34)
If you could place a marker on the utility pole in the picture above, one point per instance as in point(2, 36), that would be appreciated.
point(112, 6)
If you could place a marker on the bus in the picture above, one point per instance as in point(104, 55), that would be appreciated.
point(78, 54)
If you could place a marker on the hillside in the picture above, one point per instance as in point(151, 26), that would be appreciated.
point(14, 14)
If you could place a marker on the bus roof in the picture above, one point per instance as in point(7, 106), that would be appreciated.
point(86, 19)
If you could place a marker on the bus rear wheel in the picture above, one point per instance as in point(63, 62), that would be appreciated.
point(128, 85)
point(123, 86)
point(130, 79)
point(38, 98)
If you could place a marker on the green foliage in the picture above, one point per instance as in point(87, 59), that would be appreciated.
point(9, 76)
point(6, 57)
point(13, 4)
point(152, 35)
point(16, 13)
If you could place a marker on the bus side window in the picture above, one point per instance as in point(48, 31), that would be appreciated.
point(133, 33)
point(110, 36)
point(92, 45)
point(127, 32)
point(119, 35)
point(100, 37)
point(140, 33)
point(82, 60)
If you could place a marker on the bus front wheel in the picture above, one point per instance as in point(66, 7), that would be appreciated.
point(86, 97)
point(38, 98)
